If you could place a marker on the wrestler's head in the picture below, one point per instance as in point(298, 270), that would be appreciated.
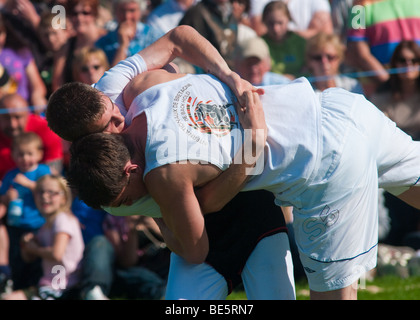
point(102, 172)
point(76, 109)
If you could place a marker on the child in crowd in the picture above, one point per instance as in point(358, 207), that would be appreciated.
point(89, 65)
point(19, 61)
point(17, 203)
point(55, 43)
point(286, 47)
point(58, 243)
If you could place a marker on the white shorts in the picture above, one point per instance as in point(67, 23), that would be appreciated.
point(267, 275)
point(335, 218)
point(328, 276)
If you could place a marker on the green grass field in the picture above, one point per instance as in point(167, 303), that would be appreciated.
point(381, 288)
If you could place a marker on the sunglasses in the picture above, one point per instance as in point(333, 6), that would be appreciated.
point(319, 57)
point(407, 61)
point(84, 13)
point(87, 68)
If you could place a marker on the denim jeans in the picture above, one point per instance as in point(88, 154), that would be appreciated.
point(98, 265)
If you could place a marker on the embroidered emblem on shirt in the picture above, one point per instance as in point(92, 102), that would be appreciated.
point(209, 117)
point(204, 116)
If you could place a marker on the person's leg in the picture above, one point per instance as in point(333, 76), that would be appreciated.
point(338, 280)
point(347, 293)
point(98, 266)
point(268, 272)
point(23, 274)
point(138, 283)
point(194, 281)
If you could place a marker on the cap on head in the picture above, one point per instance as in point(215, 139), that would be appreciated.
point(253, 47)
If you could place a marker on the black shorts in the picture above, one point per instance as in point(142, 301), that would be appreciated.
point(235, 230)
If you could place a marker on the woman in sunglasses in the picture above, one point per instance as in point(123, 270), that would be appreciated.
point(324, 55)
point(399, 98)
point(83, 16)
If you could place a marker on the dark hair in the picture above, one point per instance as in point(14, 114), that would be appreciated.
point(97, 166)
point(394, 81)
point(72, 109)
point(275, 5)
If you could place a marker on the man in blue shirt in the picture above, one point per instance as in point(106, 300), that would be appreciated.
point(131, 35)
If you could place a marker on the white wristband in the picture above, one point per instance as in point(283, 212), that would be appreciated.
point(141, 64)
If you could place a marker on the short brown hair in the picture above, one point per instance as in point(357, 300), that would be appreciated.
point(322, 40)
point(97, 166)
point(72, 110)
point(26, 138)
point(275, 5)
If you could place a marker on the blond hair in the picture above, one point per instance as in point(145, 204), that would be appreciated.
point(62, 183)
point(321, 40)
point(83, 56)
point(25, 138)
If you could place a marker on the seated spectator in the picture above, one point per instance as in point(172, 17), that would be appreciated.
point(98, 258)
point(15, 118)
point(23, 17)
point(324, 55)
point(286, 47)
point(59, 243)
point(399, 97)
point(253, 63)
point(83, 15)
point(89, 65)
point(131, 34)
point(372, 41)
point(20, 64)
point(141, 259)
point(54, 41)
point(17, 202)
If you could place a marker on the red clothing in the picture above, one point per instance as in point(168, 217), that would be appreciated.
point(53, 149)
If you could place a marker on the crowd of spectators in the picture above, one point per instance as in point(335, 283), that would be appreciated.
point(367, 47)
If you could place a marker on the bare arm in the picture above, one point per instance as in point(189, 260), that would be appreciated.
point(54, 253)
point(172, 186)
point(125, 250)
point(321, 22)
point(185, 42)
point(219, 191)
point(37, 87)
point(358, 55)
point(126, 32)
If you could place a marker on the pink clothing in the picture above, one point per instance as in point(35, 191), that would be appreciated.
point(73, 254)
point(16, 63)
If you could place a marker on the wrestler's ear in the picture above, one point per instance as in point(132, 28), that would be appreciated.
point(130, 168)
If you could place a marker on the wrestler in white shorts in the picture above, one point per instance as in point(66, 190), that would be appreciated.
point(335, 219)
point(203, 282)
